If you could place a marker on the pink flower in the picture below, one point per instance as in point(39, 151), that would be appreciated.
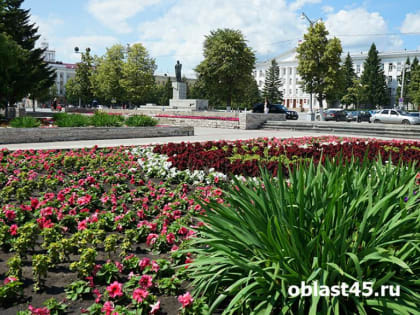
point(98, 295)
point(82, 225)
point(39, 311)
point(10, 215)
point(186, 299)
point(119, 266)
point(84, 200)
point(183, 230)
point(155, 266)
point(45, 212)
point(9, 279)
point(13, 230)
point(151, 239)
point(139, 295)
point(170, 238)
point(108, 308)
point(145, 281)
point(115, 289)
point(155, 307)
point(144, 263)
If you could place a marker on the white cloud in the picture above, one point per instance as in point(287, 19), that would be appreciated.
point(411, 23)
point(46, 27)
point(96, 43)
point(181, 31)
point(115, 13)
point(300, 3)
point(358, 28)
point(327, 9)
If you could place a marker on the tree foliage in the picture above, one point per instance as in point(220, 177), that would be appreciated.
point(138, 74)
point(414, 85)
point(376, 92)
point(272, 85)
point(227, 66)
point(319, 62)
point(84, 78)
point(33, 74)
point(349, 77)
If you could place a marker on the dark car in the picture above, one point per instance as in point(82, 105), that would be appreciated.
point(333, 115)
point(276, 109)
point(364, 116)
point(352, 116)
point(290, 114)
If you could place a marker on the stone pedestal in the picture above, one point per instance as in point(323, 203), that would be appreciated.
point(189, 104)
point(179, 90)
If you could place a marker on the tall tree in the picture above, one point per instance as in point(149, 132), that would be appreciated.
point(137, 74)
point(376, 92)
point(354, 93)
point(414, 86)
point(227, 65)
point(35, 75)
point(83, 78)
point(72, 91)
point(319, 61)
point(106, 79)
point(348, 79)
point(272, 85)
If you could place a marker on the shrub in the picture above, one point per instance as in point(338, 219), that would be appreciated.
point(100, 119)
point(140, 121)
point(333, 223)
point(25, 122)
point(71, 120)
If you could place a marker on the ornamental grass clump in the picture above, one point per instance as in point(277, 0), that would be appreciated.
point(100, 119)
point(329, 223)
point(140, 121)
point(71, 120)
point(25, 122)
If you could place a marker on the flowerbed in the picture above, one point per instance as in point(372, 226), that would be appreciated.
point(246, 157)
point(117, 230)
point(199, 117)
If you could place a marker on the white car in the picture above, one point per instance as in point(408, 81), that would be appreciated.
point(394, 116)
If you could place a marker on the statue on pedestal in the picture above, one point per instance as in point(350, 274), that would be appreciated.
point(178, 68)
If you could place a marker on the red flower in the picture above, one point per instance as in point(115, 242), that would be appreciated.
point(139, 295)
point(115, 289)
point(108, 308)
point(13, 230)
point(151, 239)
point(186, 299)
point(10, 215)
point(39, 311)
point(145, 281)
point(84, 200)
point(9, 279)
point(144, 263)
point(170, 238)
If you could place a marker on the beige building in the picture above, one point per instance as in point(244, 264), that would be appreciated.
point(296, 98)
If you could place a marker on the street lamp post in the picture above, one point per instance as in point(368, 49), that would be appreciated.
point(77, 51)
point(303, 16)
point(406, 66)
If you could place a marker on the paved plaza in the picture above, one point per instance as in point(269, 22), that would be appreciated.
point(201, 134)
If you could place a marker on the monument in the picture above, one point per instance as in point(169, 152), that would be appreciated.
point(179, 99)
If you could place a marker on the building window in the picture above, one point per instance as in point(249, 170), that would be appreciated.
point(284, 71)
point(389, 79)
point(399, 66)
point(290, 71)
point(390, 66)
point(290, 91)
point(260, 83)
point(261, 73)
point(297, 92)
point(290, 81)
point(358, 69)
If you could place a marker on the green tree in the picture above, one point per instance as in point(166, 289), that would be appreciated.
point(376, 92)
point(34, 75)
point(319, 62)
point(106, 79)
point(167, 92)
point(354, 93)
point(84, 77)
point(272, 85)
point(227, 65)
point(414, 86)
point(137, 74)
point(349, 77)
point(72, 91)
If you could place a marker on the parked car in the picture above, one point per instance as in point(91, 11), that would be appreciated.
point(394, 116)
point(415, 114)
point(352, 116)
point(290, 114)
point(332, 114)
point(272, 109)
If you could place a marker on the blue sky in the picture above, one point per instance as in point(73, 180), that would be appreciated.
point(175, 29)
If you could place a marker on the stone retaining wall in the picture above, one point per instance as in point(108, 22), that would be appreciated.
point(33, 135)
point(206, 123)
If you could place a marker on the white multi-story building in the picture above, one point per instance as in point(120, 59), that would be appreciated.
point(295, 97)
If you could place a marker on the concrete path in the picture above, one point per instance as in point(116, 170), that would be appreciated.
point(201, 134)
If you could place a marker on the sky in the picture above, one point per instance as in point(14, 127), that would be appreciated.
point(174, 30)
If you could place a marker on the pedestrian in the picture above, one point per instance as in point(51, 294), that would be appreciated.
point(266, 109)
point(54, 104)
